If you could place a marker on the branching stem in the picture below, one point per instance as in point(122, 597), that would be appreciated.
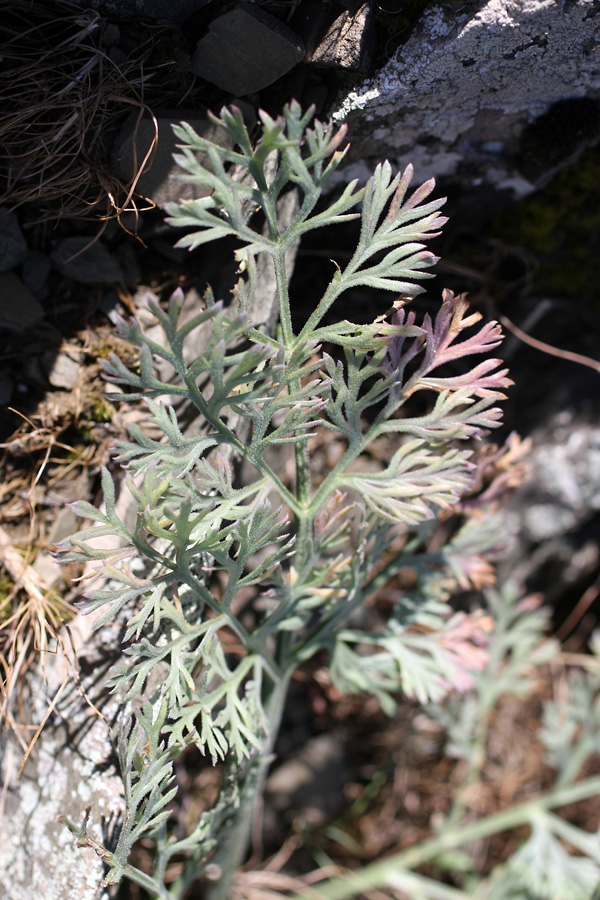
point(379, 874)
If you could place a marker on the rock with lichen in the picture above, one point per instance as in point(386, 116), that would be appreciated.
point(496, 96)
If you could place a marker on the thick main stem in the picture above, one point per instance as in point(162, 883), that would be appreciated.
point(234, 847)
point(303, 483)
point(285, 316)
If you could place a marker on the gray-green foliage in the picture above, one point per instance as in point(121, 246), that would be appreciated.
point(544, 866)
point(227, 586)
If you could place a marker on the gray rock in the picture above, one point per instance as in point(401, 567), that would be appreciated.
point(564, 491)
point(13, 248)
point(543, 521)
point(457, 97)
point(128, 260)
point(63, 370)
point(19, 309)
point(312, 781)
point(70, 769)
point(550, 515)
point(36, 268)
point(87, 263)
point(348, 43)
point(169, 251)
point(246, 50)
point(111, 35)
point(134, 142)
point(7, 387)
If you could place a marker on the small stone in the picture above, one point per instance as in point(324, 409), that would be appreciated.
point(157, 183)
point(119, 58)
point(19, 309)
point(63, 371)
point(36, 268)
point(312, 781)
point(85, 262)
point(111, 35)
point(13, 248)
point(111, 306)
point(47, 568)
point(65, 523)
point(246, 50)
point(7, 387)
point(349, 42)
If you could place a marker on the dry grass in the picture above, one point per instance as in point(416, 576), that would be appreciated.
point(33, 609)
point(60, 93)
point(51, 459)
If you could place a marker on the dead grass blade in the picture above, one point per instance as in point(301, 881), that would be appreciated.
point(60, 94)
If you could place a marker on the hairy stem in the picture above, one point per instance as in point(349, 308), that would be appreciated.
point(285, 316)
point(233, 849)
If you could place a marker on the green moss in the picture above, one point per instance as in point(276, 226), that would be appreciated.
point(7, 587)
point(561, 226)
point(102, 410)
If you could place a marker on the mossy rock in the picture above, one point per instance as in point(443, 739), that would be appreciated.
point(561, 225)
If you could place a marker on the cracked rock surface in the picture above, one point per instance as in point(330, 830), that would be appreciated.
point(456, 98)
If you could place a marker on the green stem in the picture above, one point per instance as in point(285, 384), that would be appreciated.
point(583, 841)
point(476, 765)
point(356, 447)
point(318, 638)
point(156, 890)
point(238, 445)
point(425, 888)
point(269, 205)
point(301, 508)
point(285, 315)
point(233, 848)
point(334, 289)
point(381, 873)
point(332, 481)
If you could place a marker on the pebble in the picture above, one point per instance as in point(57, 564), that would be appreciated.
point(246, 50)
point(13, 247)
point(36, 268)
point(63, 370)
point(19, 309)
point(85, 262)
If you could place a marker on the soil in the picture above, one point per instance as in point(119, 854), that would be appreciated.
point(54, 440)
